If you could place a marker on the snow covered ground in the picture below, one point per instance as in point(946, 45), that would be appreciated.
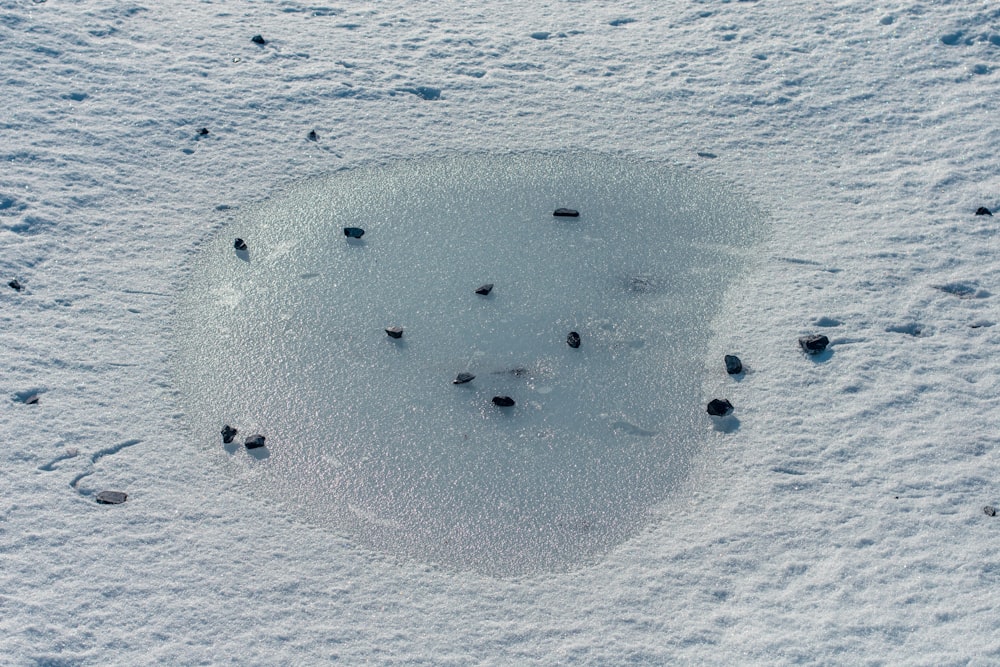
point(842, 522)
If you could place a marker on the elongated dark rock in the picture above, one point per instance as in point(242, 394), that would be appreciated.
point(982, 210)
point(394, 332)
point(353, 232)
point(240, 245)
point(719, 407)
point(484, 289)
point(814, 344)
point(228, 433)
point(462, 378)
point(733, 364)
point(503, 401)
point(258, 39)
point(254, 441)
point(566, 213)
point(111, 497)
point(573, 339)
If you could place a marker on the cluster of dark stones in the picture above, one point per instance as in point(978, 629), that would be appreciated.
point(250, 442)
point(811, 345)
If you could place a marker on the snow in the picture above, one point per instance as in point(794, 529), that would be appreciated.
point(839, 521)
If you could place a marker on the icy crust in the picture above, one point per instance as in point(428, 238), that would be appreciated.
point(369, 433)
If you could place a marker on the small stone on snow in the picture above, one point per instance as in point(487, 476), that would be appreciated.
point(240, 244)
point(566, 213)
point(982, 210)
point(573, 339)
point(258, 39)
point(394, 332)
point(254, 442)
point(503, 401)
point(989, 510)
point(228, 433)
point(111, 497)
point(484, 289)
point(353, 232)
point(15, 285)
point(462, 378)
point(814, 344)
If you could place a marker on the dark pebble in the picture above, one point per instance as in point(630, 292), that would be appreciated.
point(254, 442)
point(240, 244)
point(394, 332)
point(503, 401)
point(989, 510)
point(228, 433)
point(573, 339)
point(15, 285)
point(312, 136)
point(258, 39)
point(814, 344)
point(353, 232)
point(203, 131)
point(566, 213)
point(982, 210)
point(462, 378)
point(31, 400)
point(484, 289)
point(111, 497)
point(719, 407)
point(733, 364)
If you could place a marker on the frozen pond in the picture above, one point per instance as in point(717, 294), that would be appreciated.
point(369, 435)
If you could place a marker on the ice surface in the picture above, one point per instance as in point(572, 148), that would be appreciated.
point(370, 434)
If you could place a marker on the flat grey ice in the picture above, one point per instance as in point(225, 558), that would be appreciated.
point(371, 435)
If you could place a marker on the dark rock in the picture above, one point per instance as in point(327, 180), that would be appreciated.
point(394, 332)
point(353, 232)
point(989, 510)
point(719, 407)
point(982, 210)
point(111, 497)
point(814, 344)
point(31, 400)
point(15, 285)
point(203, 131)
point(566, 213)
point(228, 433)
point(503, 401)
point(733, 364)
point(484, 289)
point(462, 378)
point(254, 441)
point(312, 136)
point(573, 339)
point(240, 245)
point(258, 39)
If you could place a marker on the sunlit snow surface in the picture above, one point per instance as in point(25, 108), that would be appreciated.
point(369, 434)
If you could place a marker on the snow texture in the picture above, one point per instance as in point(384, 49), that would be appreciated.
point(839, 520)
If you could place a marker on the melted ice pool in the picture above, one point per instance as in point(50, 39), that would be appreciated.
point(369, 434)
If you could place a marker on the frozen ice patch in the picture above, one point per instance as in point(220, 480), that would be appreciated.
point(370, 434)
